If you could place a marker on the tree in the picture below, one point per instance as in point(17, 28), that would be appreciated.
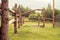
point(23, 10)
point(56, 12)
point(49, 11)
point(4, 20)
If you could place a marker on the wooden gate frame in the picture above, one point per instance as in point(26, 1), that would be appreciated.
point(38, 15)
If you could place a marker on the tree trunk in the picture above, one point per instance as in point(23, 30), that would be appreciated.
point(4, 20)
point(0, 33)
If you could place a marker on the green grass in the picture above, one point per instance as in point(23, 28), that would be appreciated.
point(27, 32)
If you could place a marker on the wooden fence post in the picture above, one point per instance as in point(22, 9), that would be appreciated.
point(19, 16)
point(53, 14)
point(18, 22)
point(4, 20)
point(21, 20)
point(43, 17)
point(38, 20)
point(15, 17)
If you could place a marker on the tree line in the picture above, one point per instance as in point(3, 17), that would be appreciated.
point(33, 15)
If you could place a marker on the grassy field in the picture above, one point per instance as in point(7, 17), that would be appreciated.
point(28, 32)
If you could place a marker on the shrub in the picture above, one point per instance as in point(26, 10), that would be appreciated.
point(33, 16)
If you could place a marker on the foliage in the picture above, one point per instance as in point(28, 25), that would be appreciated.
point(23, 10)
point(49, 12)
point(33, 16)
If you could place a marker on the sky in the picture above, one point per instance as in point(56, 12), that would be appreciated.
point(34, 4)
